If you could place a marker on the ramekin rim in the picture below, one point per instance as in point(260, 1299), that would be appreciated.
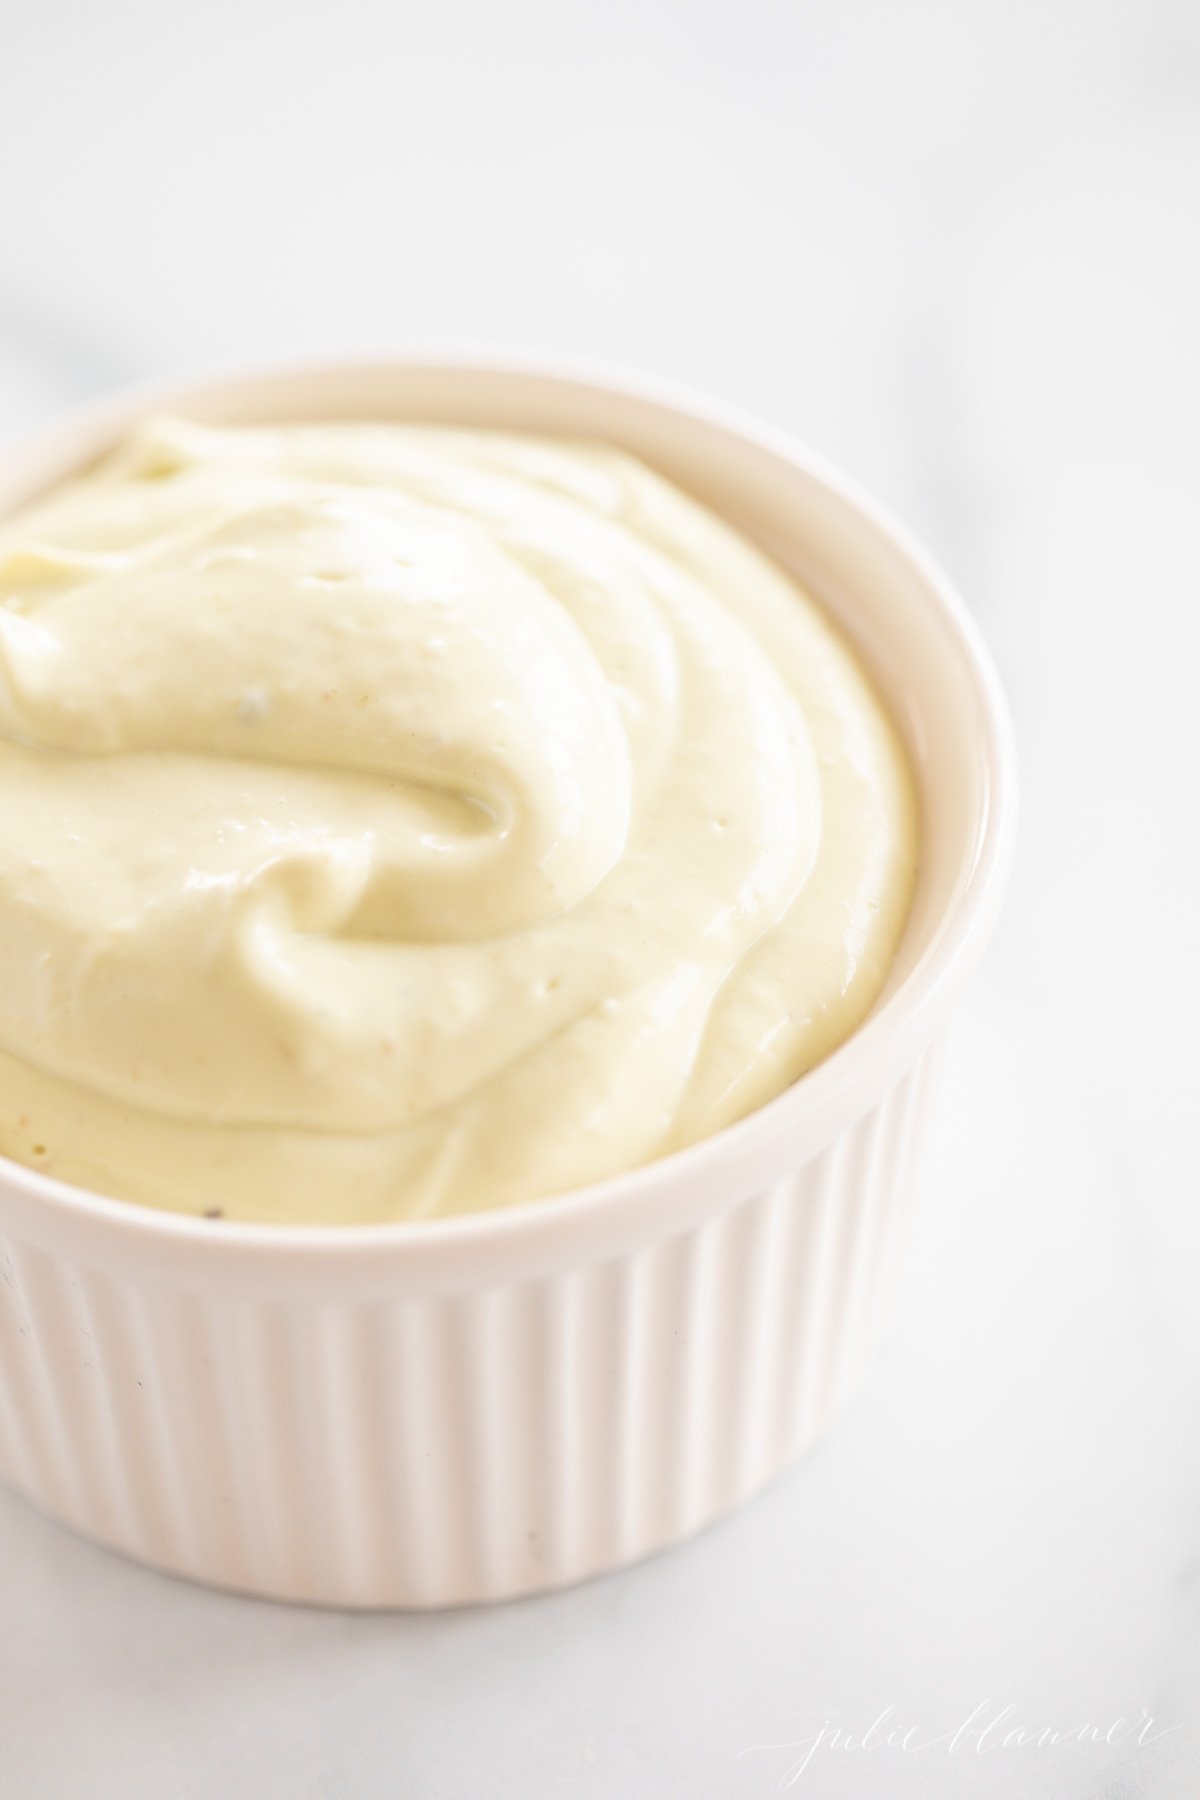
point(958, 938)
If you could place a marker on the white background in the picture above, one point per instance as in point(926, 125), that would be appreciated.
point(955, 246)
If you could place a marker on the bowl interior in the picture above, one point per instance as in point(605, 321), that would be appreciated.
point(911, 631)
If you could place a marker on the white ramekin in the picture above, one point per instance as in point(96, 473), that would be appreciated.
point(433, 1413)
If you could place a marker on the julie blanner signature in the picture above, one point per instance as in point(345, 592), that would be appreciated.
point(989, 1727)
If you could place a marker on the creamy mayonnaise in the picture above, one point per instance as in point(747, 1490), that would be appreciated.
point(398, 821)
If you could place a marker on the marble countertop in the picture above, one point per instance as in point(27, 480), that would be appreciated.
point(953, 246)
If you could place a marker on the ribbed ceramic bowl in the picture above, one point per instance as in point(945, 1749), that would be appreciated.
point(432, 1413)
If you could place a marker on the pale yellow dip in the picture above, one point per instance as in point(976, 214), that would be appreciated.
point(398, 821)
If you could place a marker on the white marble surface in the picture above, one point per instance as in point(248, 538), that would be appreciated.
point(955, 246)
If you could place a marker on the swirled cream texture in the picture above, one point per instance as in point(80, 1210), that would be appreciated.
point(399, 821)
